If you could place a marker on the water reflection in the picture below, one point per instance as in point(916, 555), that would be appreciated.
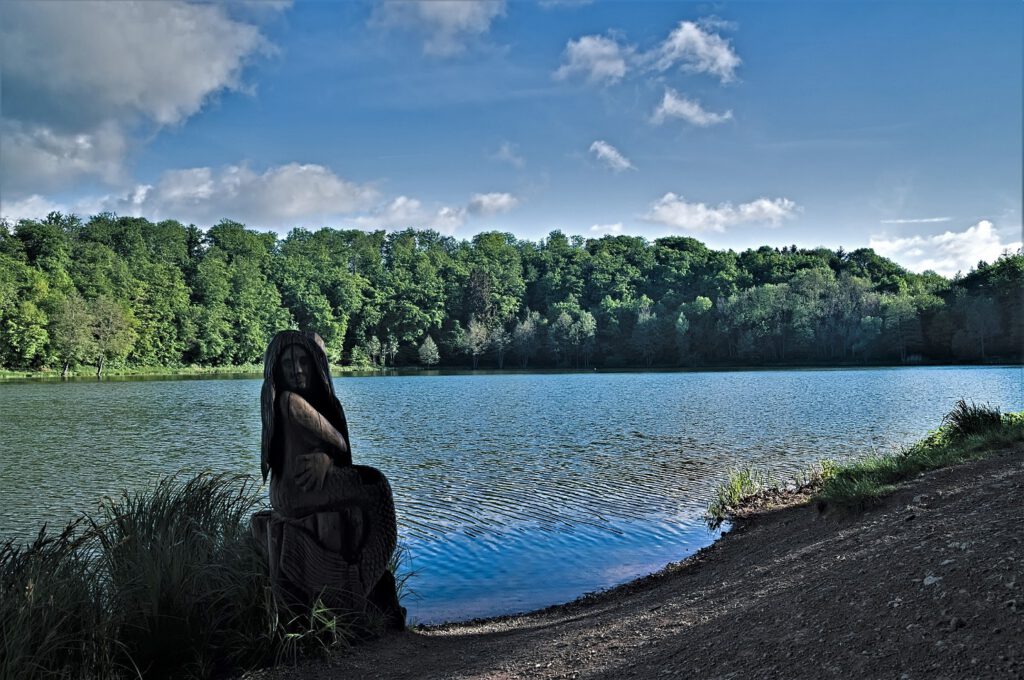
point(513, 490)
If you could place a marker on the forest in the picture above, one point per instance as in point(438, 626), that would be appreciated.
point(126, 291)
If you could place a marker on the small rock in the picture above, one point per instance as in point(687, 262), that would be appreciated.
point(909, 517)
point(932, 580)
point(956, 623)
point(943, 563)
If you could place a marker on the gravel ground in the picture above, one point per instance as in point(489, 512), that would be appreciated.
point(930, 584)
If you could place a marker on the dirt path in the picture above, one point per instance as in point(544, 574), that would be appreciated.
point(928, 585)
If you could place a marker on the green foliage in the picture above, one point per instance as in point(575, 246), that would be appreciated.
point(183, 297)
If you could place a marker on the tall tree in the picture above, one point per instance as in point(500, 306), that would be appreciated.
point(428, 352)
point(71, 332)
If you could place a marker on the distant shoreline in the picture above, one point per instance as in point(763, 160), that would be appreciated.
point(256, 370)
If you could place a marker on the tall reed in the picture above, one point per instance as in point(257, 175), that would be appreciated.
point(163, 582)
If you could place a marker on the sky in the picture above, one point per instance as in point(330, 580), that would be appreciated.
point(896, 126)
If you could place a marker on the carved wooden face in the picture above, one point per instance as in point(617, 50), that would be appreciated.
point(295, 369)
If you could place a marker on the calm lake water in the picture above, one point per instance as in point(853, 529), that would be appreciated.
point(514, 491)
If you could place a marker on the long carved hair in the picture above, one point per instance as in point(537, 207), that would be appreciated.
point(321, 395)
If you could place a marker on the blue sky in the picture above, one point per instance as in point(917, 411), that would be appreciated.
point(890, 125)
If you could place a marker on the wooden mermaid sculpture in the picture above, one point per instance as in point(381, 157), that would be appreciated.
point(331, 531)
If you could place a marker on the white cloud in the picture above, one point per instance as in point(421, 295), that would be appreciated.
point(509, 153)
point(698, 50)
point(400, 212)
point(946, 253)
point(554, 4)
point(78, 75)
point(611, 156)
point(674, 105)
point(403, 212)
point(446, 25)
point(919, 220)
point(33, 207)
point(607, 228)
point(600, 59)
point(490, 204)
point(281, 197)
point(36, 157)
point(449, 219)
point(673, 210)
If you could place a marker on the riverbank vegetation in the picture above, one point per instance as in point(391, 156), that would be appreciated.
point(967, 432)
point(165, 582)
point(127, 293)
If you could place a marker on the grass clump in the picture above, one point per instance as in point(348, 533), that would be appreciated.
point(166, 582)
point(748, 491)
point(969, 419)
point(740, 485)
point(968, 432)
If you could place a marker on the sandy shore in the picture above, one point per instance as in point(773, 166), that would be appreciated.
point(930, 584)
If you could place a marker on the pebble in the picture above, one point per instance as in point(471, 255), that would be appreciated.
point(956, 622)
point(931, 580)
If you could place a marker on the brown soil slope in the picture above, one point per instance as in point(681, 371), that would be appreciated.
point(928, 585)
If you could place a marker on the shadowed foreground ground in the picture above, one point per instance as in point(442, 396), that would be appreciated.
point(928, 585)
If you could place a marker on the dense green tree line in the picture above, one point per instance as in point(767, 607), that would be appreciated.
point(127, 290)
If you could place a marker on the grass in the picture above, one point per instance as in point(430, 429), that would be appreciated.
point(968, 432)
point(740, 485)
point(165, 582)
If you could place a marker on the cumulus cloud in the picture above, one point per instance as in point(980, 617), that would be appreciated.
point(610, 156)
point(509, 153)
point(32, 207)
point(697, 49)
point(445, 25)
point(598, 58)
point(607, 228)
point(281, 197)
point(79, 75)
point(946, 253)
point(403, 212)
point(399, 212)
point(674, 105)
point(673, 210)
point(490, 204)
point(39, 158)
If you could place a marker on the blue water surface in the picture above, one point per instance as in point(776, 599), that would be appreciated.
point(514, 491)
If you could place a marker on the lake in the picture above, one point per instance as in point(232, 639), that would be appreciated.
point(514, 490)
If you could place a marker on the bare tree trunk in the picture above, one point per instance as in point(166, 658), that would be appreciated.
point(64, 371)
point(99, 368)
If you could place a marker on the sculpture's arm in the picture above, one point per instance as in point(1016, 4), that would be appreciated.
point(301, 413)
point(311, 469)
